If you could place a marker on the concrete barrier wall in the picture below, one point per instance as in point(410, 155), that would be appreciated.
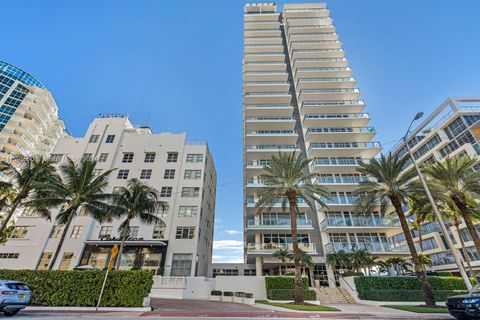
point(255, 285)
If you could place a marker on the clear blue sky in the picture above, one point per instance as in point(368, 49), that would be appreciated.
point(178, 65)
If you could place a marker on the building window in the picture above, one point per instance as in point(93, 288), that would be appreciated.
point(249, 272)
point(94, 138)
point(66, 261)
point(190, 192)
point(87, 156)
point(103, 157)
point(97, 172)
point(146, 174)
point(172, 156)
point(194, 157)
point(181, 265)
point(149, 157)
point(122, 174)
point(192, 174)
point(224, 272)
point(44, 261)
point(158, 232)
point(56, 157)
point(29, 213)
point(166, 192)
point(185, 233)
point(163, 210)
point(5, 255)
point(110, 138)
point(105, 231)
point(133, 231)
point(188, 211)
point(127, 157)
point(77, 230)
point(19, 232)
point(57, 231)
point(169, 174)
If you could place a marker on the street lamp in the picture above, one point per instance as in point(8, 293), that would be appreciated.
point(438, 216)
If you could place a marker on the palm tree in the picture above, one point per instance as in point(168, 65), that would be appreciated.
point(77, 187)
point(425, 261)
point(400, 264)
point(390, 185)
point(339, 260)
point(421, 208)
point(283, 255)
point(135, 201)
point(306, 260)
point(370, 262)
point(21, 186)
point(359, 258)
point(287, 178)
point(457, 179)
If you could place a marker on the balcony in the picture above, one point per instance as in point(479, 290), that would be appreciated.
point(315, 44)
point(267, 97)
point(265, 76)
point(332, 106)
point(336, 119)
point(372, 247)
point(276, 110)
point(258, 224)
point(326, 82)
point(323, 72)
point(329, 94)
point(271, 136)
point(260, 48)
point(251, 202)
point(310, 28)
point(336, 165)
point(257, 165)
point(345, 149)
point(270, 248)
point(339, 134)
point(267, 57)
point(270, 123)
point(366, 223)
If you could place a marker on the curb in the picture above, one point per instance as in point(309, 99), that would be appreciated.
point(88, 309)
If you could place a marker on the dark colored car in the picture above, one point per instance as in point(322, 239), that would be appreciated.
point(467, 306)
point(14, 296)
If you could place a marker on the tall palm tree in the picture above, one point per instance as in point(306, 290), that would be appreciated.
point(306, 260)
point(359, 258)
point(135, 201)
point(339, 260)
point(283, 255)
point(457, 179)
point(287, 178)
point(21, 186)
point(77, 187)
point(420, 207)
point(400, 264)
point(390, 185)
point(370, 262)
point(425, 261)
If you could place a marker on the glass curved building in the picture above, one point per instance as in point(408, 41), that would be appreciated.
point(29, 122)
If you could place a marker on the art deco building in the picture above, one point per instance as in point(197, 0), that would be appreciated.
point(299, 95)
point(450, 130)
point(182, 171)
point(29, 122)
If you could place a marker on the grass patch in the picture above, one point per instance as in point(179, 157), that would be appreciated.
point(420, 309)
point(300, 307)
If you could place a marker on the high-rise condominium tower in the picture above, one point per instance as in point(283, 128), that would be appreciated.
point(299, 95)
point(29, 123)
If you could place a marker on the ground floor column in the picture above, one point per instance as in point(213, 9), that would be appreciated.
point(258, 266)
point(331, 277)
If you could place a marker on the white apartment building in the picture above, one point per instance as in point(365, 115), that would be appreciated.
point(184, 174)
point(451, 129)
point(29, 122)
point(299, 95)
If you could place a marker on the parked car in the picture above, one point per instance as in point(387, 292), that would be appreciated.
point(14, 296)
point(467, 306)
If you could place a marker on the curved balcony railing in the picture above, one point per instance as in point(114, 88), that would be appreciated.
point(358, 222)
point(272, 247)
point(369, 246)
point(277, 224)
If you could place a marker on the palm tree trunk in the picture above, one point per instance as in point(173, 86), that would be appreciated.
point(464, 249)
point(15, 204)
point(122, 244)
point(292, 199)
point(420, 273)
point(462, 206)
point(71, 214)
point(419, 230)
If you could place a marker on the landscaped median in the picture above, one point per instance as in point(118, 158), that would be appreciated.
point(299, 307)
point(82, 288)
point(420, 309)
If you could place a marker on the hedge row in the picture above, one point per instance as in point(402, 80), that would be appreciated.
point(407, 295)
point(81, 287)
point(289, 294)
point(283, 283)
point(406, 288)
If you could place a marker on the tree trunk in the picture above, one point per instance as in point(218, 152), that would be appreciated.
point(292, 199)
point(15, 204)
point(125, 232)
point(456, 223)
point(462, 206)
point(71, 214)
point(419, 230)
point(420, 273)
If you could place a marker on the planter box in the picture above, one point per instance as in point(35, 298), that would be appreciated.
point(249, 300)
point(227, 299)
point(238, 299)
point(216, 298)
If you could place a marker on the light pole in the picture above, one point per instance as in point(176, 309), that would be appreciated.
point(438, 216)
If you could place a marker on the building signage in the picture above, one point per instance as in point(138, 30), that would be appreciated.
point(110, 238)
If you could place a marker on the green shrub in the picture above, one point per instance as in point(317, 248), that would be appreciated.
point(283, 283)
point(444, 274)
point(216, 293)
point(353, 274)
point(249, 295)
point(240, 294)
point(81, 288)
point(406, 288)
point(228, 294)
point(288, 294)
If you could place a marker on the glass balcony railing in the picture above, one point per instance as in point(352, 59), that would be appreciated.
point(258, 163)
point(272, 247)
point(337, 200)
point(322, 103)
point(277, 223)
point(322, 69)
point(343, 179)
point(342, 130)
point(345, 145)
point(274, 147)
point(272, 118)
point(316, 50)
point(369, 246)
point(358, 222)
point(270, 132)
point(362, 115)
point(251, 201)
point(338, 162)
point(267, 94)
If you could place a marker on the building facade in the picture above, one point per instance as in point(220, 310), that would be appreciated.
point(183, 173)
point(452, 129)
point(299, 95)
point(29, 122)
